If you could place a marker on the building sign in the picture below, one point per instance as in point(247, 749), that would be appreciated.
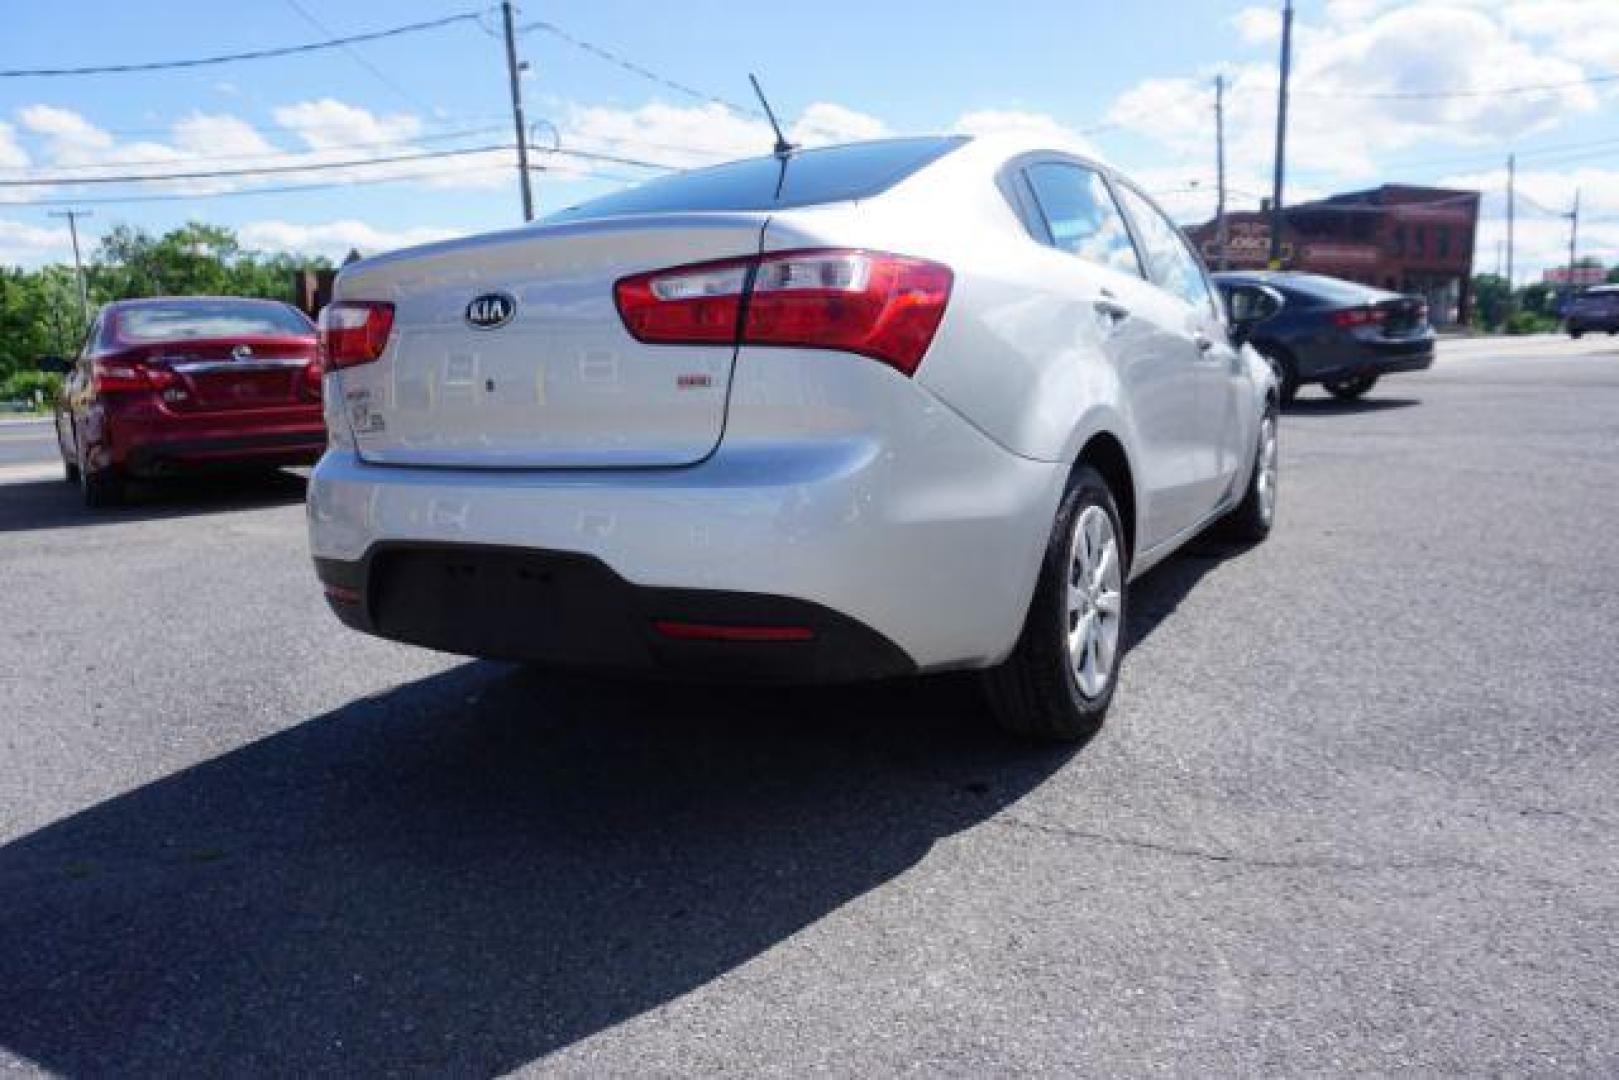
point(1583, 275)
point(1246, 242)
point(1322, 253)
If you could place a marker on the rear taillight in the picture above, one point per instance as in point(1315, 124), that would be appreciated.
point(354, 332)
point(128, 375)
point(1351, 317)
point(887, 307)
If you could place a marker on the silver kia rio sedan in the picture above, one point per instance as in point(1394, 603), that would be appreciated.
point(911, 405)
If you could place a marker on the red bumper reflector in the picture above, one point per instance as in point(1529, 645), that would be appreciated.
point(691, 631)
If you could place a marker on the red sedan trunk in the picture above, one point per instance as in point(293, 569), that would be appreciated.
point(175, 385)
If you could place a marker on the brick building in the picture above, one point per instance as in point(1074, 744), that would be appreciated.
point(1406, 239)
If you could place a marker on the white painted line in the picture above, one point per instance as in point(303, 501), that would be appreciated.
point(30, 473)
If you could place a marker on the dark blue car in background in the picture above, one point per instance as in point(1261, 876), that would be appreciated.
point(1337, 333)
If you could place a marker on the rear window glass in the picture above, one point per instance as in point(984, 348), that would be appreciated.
point(208, 319)
point(831, 174)
point(1332, 289)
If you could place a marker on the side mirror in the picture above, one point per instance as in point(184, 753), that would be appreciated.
point(1248, 306)
point(54, 365)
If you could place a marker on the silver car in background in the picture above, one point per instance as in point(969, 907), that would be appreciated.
point(901, 406)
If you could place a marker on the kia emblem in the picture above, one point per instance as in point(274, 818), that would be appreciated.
point(491, 311)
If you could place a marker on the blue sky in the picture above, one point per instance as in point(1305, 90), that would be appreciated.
point(1127, 81)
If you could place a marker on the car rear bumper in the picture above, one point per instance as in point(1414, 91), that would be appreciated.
point(569, 609)
point(1383, 358)
point(927, 538)
point(150, 444)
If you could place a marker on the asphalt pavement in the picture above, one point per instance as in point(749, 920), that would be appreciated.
point(1354, 811)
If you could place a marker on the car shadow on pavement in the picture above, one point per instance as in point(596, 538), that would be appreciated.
point(1156, 595)
point(465, 873)
point(55, 504)
point(1331, 406)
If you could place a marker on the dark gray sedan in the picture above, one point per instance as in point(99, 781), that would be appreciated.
point(1316, 329)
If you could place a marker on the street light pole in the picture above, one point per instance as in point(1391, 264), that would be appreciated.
point(1281, 138)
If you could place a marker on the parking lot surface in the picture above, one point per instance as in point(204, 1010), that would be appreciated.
point(1354, 810)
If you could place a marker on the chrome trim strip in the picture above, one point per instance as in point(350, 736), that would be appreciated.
point(206, 367)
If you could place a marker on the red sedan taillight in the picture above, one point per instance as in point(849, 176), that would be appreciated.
point(887, 307)
point(122, 374)
point(1351, 317)
point(354, 332)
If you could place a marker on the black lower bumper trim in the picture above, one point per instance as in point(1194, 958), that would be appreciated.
point(233, 452)
point(572, 610)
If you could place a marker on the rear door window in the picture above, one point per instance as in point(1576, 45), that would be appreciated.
point(1081, 216)
point(1170, 262)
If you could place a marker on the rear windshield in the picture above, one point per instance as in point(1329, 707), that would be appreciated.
point(1333, 290)
point(209, 319)
point(830, 174)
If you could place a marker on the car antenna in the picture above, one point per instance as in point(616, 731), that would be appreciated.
point(783, 148)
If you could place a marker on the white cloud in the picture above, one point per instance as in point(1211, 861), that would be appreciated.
point(12, 155)
point(1583, 30)
point(23, 244)
point(334, 239)
point(1364, 47)
point(327, 123)
point(1040, 125)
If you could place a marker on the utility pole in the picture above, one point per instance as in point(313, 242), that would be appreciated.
point(1512, 209)
point(1281, 138)
point(513, 69)
point(1220, 233)
point(1573, 240)
point(73, 217)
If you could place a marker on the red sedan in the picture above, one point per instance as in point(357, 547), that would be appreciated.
point(178, 384)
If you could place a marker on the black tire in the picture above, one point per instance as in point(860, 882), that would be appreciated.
point(101, 489)
point(1035, 693)
point(1286, 368)
point(1255, 516)
point(1351, 389)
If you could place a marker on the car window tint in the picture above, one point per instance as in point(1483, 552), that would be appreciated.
point(809, 177)
point(1081, 215)
point(209, 319)
point(1169, 261)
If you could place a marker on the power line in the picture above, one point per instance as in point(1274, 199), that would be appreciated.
point(1420, 95)
point(330, 185)
point(257, 54)
point(266, 170)
point(359, 58)
point(279, 153)
point(603, 53)
point(611, 159)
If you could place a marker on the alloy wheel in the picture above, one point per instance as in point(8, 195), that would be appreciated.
point(1095, 585)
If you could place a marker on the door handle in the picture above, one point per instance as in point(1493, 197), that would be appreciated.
point(1203, 342)
point(1111, 309)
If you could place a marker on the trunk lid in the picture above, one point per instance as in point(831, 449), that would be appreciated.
point(219, 375)
point(1402, 316)
point(508, 350)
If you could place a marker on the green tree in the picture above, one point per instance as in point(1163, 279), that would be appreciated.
point(1613, 275)
point(1491, 296)
point(39, 316)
